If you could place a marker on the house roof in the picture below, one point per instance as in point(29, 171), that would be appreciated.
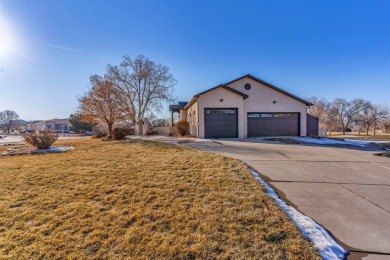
point(178, 106)
point(271, 86)
point(211, 89)
point(225, 87)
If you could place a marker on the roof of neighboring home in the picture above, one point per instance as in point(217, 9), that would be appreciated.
point(271, 86)
point(178, 106)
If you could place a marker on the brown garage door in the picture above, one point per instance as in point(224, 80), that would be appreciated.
point(221, 122)
point(273, 124)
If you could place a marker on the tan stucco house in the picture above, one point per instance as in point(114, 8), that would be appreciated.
point(244, 107)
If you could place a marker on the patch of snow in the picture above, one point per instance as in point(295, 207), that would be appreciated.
point(326, 141)
point(321, 239)
point(203, 140)
point(53, 150)
point(60, 149)
point(369, 141)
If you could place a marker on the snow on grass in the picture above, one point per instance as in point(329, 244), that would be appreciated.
point(321, 239)
point(326, 141)
point(60, 149)
point(54, 149)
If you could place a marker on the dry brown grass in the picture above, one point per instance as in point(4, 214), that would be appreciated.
point(118, 200)
point(362, 136)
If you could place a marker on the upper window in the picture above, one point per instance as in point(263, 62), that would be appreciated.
point(247, 86)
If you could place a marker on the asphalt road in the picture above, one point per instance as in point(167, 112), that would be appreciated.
point(344, 189)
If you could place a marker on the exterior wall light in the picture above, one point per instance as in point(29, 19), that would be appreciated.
point(221, 100)
point(274, 101)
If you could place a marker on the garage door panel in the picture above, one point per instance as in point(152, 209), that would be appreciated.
point(221, 123)
point(273, 124)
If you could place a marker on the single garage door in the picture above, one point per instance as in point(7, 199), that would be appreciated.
point(221, 122)
point(273, 124)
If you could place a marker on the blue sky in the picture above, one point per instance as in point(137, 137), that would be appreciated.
point(325, 48)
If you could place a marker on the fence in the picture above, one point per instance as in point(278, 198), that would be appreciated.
point(165, 130)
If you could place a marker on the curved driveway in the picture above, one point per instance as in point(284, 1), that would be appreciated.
point(345, 189)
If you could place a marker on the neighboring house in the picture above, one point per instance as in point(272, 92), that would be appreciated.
point(245, 107)
point(57, 125)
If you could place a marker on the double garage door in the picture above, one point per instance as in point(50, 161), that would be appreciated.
point(273, 124)
point(223, 123)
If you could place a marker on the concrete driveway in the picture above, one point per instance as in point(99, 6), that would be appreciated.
point(345, 189)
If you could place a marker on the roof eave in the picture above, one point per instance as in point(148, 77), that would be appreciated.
point(245, 96)
point(189, 104)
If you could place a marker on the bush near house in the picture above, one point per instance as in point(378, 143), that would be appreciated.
point(41, 140)
point(151, 132)
point(182, 127)
point(119, 133)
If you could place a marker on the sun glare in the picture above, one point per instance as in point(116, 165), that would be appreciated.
point(6, 41)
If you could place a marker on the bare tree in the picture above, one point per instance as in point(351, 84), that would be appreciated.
point(319, 109)
point(9, 119)
point(345, 111)
point(379, 114)
point(161, 122)
point(141, 85)
point(386, 126)
point(331, 123)
point(365, 118)
point(100, 104)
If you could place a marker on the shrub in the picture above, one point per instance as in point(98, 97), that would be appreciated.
point(41, 140)
point(182, 127)
point(151, 132)
point(119, 133)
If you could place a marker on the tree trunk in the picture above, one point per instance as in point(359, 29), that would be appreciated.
point(109, 130)
point(367, 132)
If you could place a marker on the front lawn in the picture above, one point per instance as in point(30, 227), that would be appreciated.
point(133, 199)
